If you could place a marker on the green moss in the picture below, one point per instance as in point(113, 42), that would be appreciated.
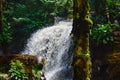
point(81, 30)
point(89, 21)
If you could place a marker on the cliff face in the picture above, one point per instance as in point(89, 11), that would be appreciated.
point(106, 60)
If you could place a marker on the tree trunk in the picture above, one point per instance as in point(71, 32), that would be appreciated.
point(80, 33)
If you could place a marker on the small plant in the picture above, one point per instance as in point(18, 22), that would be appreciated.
point(36, 71)
point(101, 34)
point(17, 71)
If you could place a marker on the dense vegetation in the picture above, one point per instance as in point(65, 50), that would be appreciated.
point(22, 18)
point(106, 18)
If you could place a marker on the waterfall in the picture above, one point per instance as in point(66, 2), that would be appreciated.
point(53, 44)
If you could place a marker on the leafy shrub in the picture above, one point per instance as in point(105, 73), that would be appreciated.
point(5, 37)
point(17, 71)
point(102, 33)
point(27, 16)
point(114, 9)
point(36, 71)
point(58, 7)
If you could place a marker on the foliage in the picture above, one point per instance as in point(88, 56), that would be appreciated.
point(26, 16)
point(104, 8)
point(101, 34)
point(17, 71)
point(114, 9)
point(5, 37)
point(102, 28)
point(59, 7)
point(36, 71)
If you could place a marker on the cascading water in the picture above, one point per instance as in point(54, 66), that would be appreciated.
point(53, 43)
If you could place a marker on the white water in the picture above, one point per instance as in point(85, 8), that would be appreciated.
point(53, 43)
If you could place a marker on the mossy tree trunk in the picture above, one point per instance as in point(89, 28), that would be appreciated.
point(80, 32)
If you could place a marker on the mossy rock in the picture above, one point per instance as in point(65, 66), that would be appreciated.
point(113, 58)
point(3, 76)
point(113, 66)
point(28, 61)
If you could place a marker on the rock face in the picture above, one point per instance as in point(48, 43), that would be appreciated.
point(106, 61)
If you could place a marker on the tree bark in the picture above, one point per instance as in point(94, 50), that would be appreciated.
point(80, 32)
